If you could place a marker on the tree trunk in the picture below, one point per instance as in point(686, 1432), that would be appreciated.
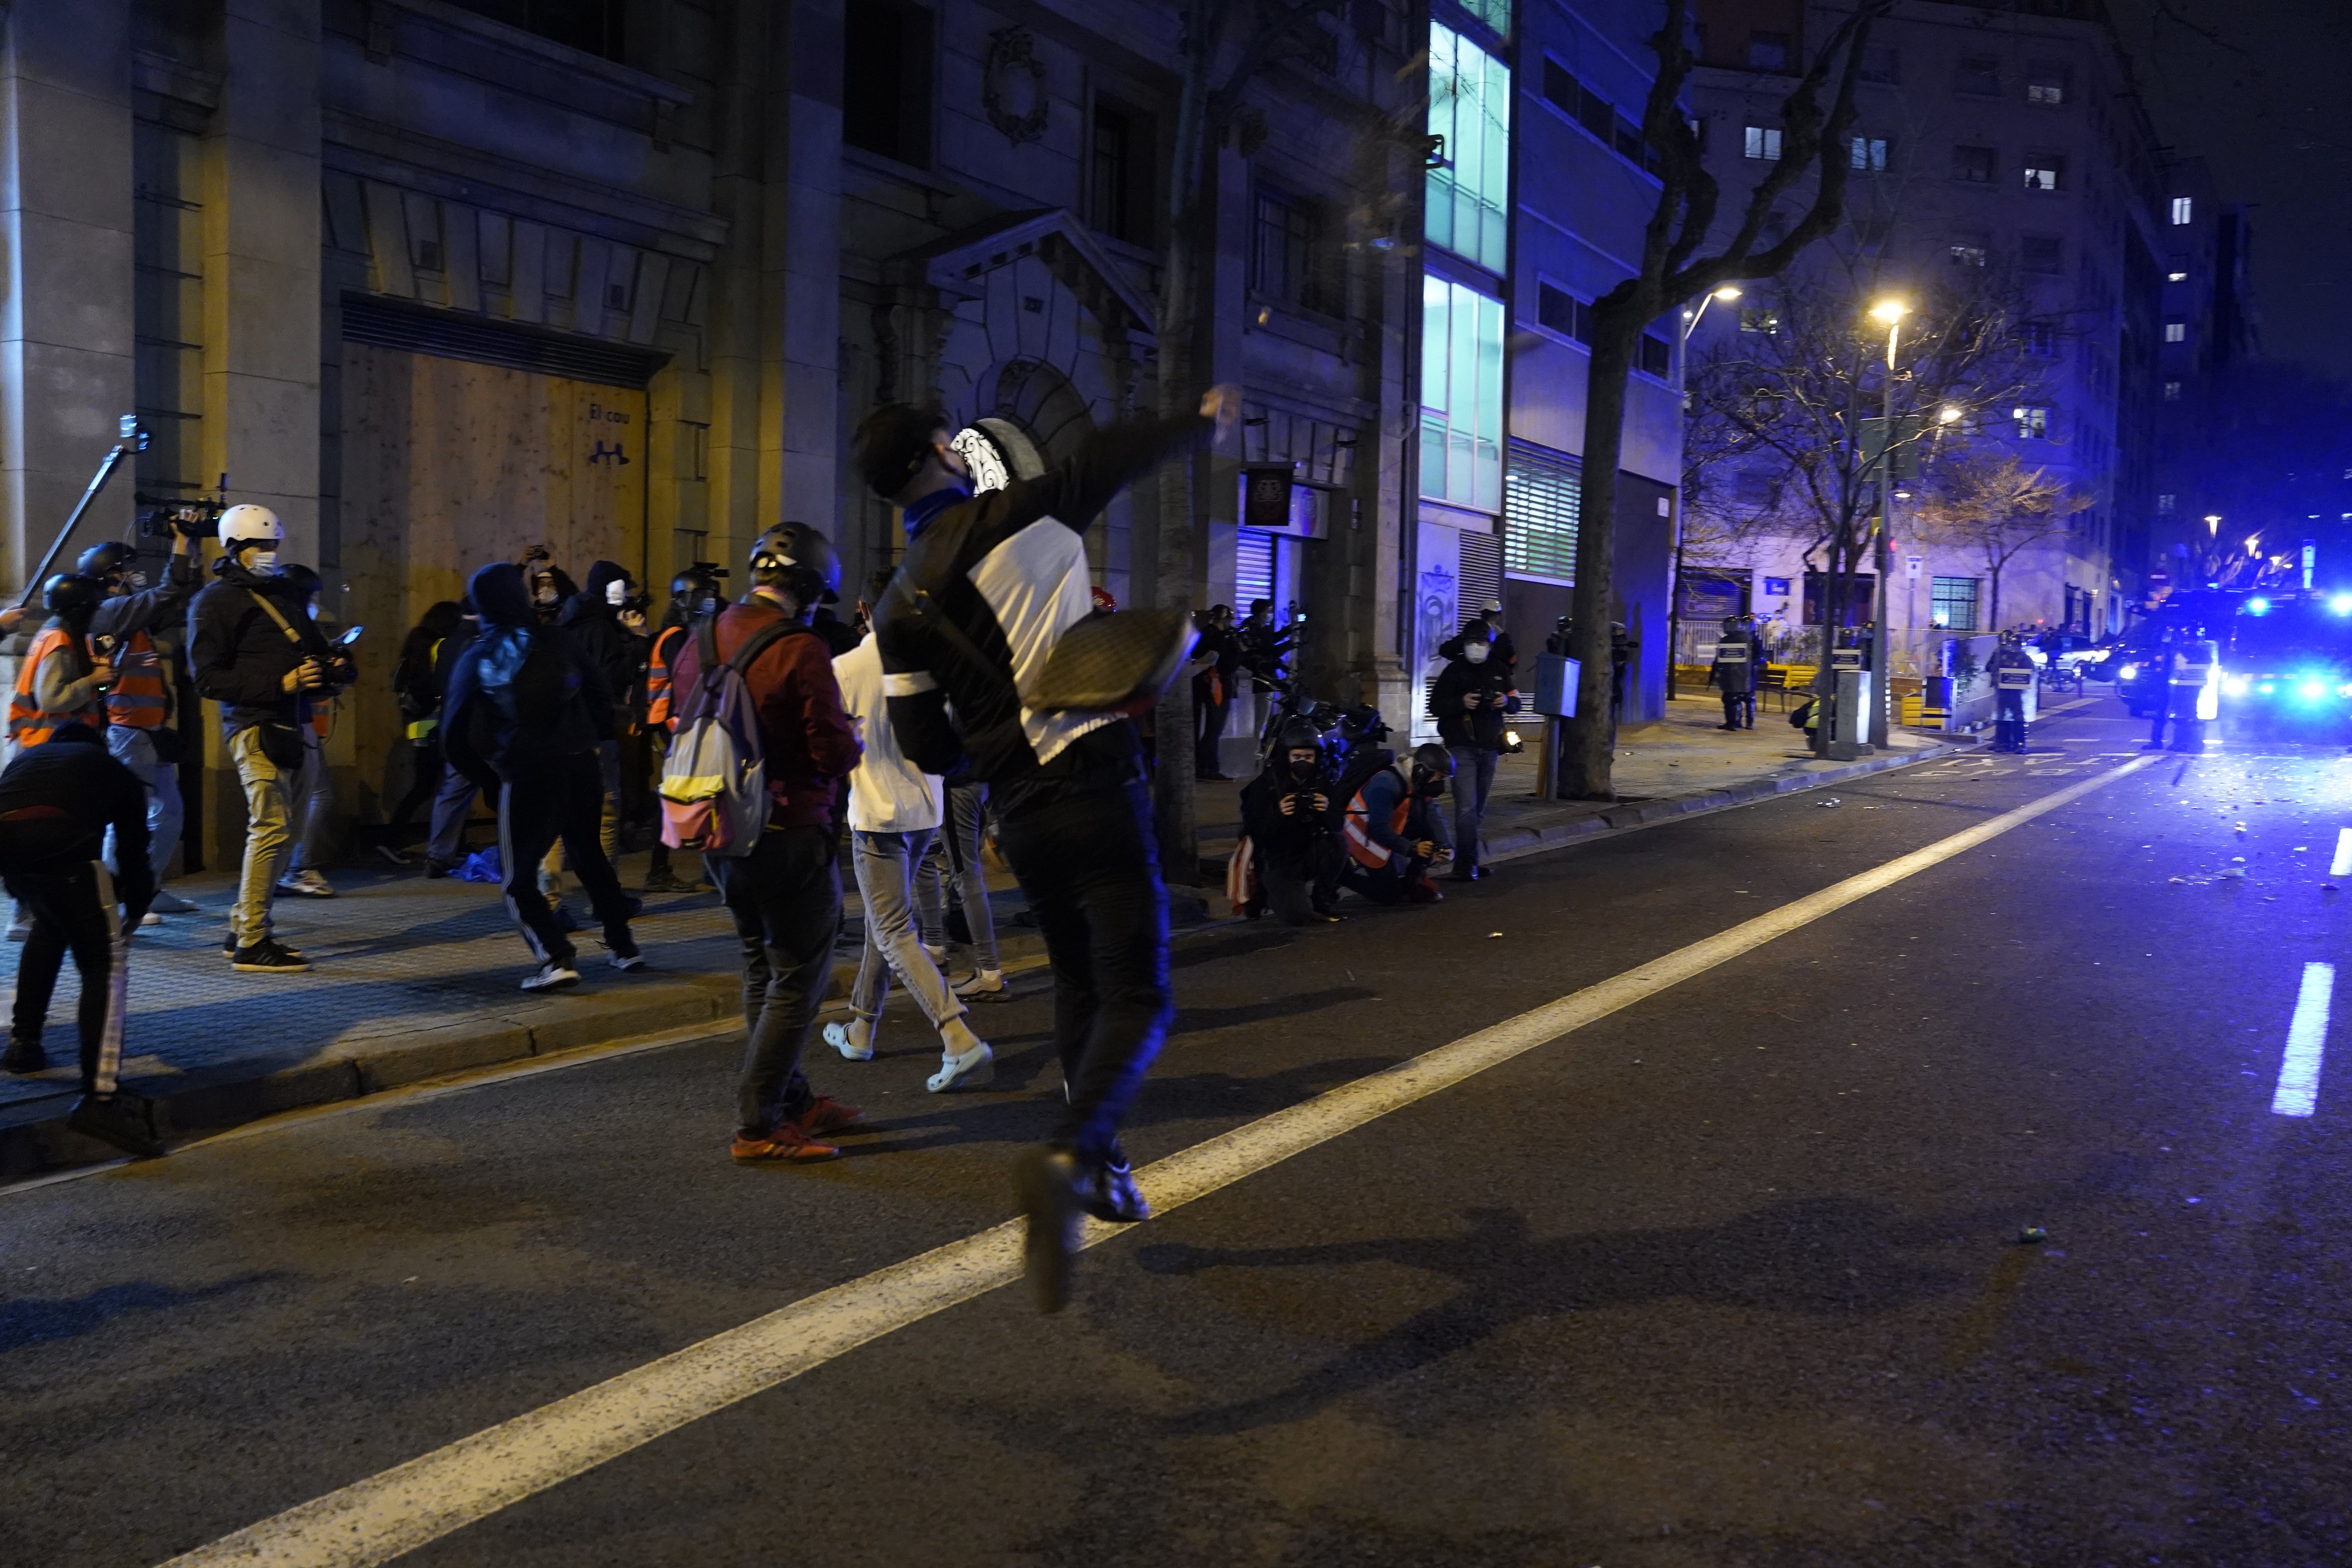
point(1174, 808)
point(1589, 748)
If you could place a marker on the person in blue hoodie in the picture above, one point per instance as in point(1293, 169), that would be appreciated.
point(526, 716)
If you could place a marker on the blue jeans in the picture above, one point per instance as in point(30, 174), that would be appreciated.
point(134, 748)
point(452, 804)
point(1474, 779)
point(1090, 867)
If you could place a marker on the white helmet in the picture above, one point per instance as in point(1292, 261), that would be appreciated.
point(245, 523)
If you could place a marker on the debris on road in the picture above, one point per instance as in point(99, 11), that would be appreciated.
point(2027, 1235)
point(1832, 801)
point(2238, 871)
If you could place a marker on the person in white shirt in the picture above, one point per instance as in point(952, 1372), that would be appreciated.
point(893, 810)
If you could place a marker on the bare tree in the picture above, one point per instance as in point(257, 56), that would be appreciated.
point(1994, 505)
point(1671, 272)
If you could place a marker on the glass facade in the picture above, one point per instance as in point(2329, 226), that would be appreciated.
point(1460, 394)
point(1470, 108)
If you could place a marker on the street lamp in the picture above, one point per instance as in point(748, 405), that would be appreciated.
point(1691, 320)
point(1891, 311)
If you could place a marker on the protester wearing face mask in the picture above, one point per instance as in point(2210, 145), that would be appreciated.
point(140, 732)
point(1468, 699)
point(254, 650)
point(1286, 815)
point(548, 587)
point(1394, 831)
point(597, 620)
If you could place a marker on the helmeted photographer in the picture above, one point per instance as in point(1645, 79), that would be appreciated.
point(254, 650)
point(1287, 815)
point(59, 682)
point(694, 592)
point(140, 731)
point(526, 715)
point(990, 587)
point(1393, 831)
point(784, 896)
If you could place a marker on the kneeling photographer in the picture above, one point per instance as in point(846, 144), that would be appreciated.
point(1287, 814)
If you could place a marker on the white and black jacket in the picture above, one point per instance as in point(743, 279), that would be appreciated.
point(988, 585)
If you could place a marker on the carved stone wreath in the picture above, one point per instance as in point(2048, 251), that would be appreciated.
point(1013, 86)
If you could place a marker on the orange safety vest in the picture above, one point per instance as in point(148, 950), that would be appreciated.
point(27, 725)
point(657, 678)
point(1361, 846)
point(138, 697)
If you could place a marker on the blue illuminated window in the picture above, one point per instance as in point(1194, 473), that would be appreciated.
point(1460, 394)
point(1470, 111)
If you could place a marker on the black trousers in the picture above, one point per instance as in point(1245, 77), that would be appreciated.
point(74, 911)
point(1739, 710)
point(536, 808)
point(2009, 721)
point(785, 900)
point(1299, 889)
point(1208, 728)
point(1090, 868)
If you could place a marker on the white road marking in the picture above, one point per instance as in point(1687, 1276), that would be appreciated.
point(2342, 865)
point(375, 1519)
point(2306, 1043)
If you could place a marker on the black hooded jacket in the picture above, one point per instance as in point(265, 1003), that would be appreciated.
point(1291, 842)
point(618, 653)
point(523, 700)
point(240, 658)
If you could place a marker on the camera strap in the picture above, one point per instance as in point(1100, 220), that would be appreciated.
point(278, 615)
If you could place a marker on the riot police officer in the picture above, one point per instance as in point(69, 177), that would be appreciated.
point(2193, 660)
point(1734, 671)
point(2011, 669)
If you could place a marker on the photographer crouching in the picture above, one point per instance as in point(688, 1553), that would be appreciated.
point(256, 651)
point(1286, 813)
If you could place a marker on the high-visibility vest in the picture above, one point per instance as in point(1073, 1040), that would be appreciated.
point(138, 697)
point(1361, 846)
point(657, 677)
point(28, 724)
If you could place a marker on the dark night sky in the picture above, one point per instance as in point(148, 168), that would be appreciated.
point(2263, 90)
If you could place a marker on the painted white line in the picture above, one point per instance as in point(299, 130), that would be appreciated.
point(375, 1519)
point(2342, 865)
point(2306, 1043)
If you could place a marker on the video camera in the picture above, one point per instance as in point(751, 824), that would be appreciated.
point(196, 519)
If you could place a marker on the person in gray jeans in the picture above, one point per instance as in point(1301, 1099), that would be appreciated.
point(955, 857)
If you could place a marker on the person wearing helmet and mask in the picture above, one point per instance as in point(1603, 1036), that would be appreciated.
point(139, 730)
point(598, 618)
point(693, 594)
point(58, 679)
point(992, 585)
point(784, 896)
point(253, 649)
point(2010, 668)
point(1468, 699)
point(526, 715)
point(1393, 831)
point(1287, 814)
point(1738, 656)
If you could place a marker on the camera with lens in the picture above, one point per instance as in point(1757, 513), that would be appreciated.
point(183, 519)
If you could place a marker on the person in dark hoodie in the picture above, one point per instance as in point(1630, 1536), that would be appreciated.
point(57, 802)
point(1287, 812)
point(526, 713)
point(253, 649)
point(597, 618)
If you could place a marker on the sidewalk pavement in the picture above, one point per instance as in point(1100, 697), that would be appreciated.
point(417, 979)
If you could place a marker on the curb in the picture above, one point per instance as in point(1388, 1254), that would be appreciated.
point(1516, 842)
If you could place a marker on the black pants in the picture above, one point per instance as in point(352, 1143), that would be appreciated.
point(1208, 727)
point(1388, 884)
point(74, 911)
point(2188, 730)
point(786, 899)
point(535, 809)
point(1090, 868)
point(2009, 721)
point(1299, 889)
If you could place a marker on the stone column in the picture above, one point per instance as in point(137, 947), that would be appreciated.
point(262, 266)
point(66, 271)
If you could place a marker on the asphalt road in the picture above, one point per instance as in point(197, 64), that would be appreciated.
point(1731, 1276)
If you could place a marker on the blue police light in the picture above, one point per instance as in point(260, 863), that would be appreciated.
point(2268, 688)
point(2312, 690)
point(2341, 604)
point(2257, 606)
point(2237, 685)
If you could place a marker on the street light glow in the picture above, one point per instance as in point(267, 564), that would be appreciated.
point(2252, 540)
point(1727, 293)
point(1889, 310)
point(1949, 414)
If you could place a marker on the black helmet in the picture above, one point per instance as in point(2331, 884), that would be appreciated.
point(1298, 735)
point(73, 596)
point(302, 579)
point(1432, 764)
point(1362, 723)
point(697, 582)
point(797, 558)
point(103, 561)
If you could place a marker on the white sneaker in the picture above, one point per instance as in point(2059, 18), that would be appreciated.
point(984, 985)
point(150, 919)
point(837, 1036)
point(310, 884)
point(975, 1068)
point(552, 978)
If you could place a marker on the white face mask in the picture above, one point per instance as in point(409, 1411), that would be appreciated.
point(1475, 652)
point(616, 592)
point(546, 594)
point(264, 562)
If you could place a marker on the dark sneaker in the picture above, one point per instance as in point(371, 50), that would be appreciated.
point(1107, 1192)
point(786, 1145)
point(435, 870)
point(166, 902)
point(552, 976)
point(1044, 1183)
point(267, 957)
point(826, 1115)
point(664, 882)
point(23, 1056)
point(125, 1121)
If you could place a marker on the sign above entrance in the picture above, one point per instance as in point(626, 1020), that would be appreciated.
point(1273, 500)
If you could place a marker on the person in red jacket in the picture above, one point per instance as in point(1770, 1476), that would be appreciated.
point(785, 895)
